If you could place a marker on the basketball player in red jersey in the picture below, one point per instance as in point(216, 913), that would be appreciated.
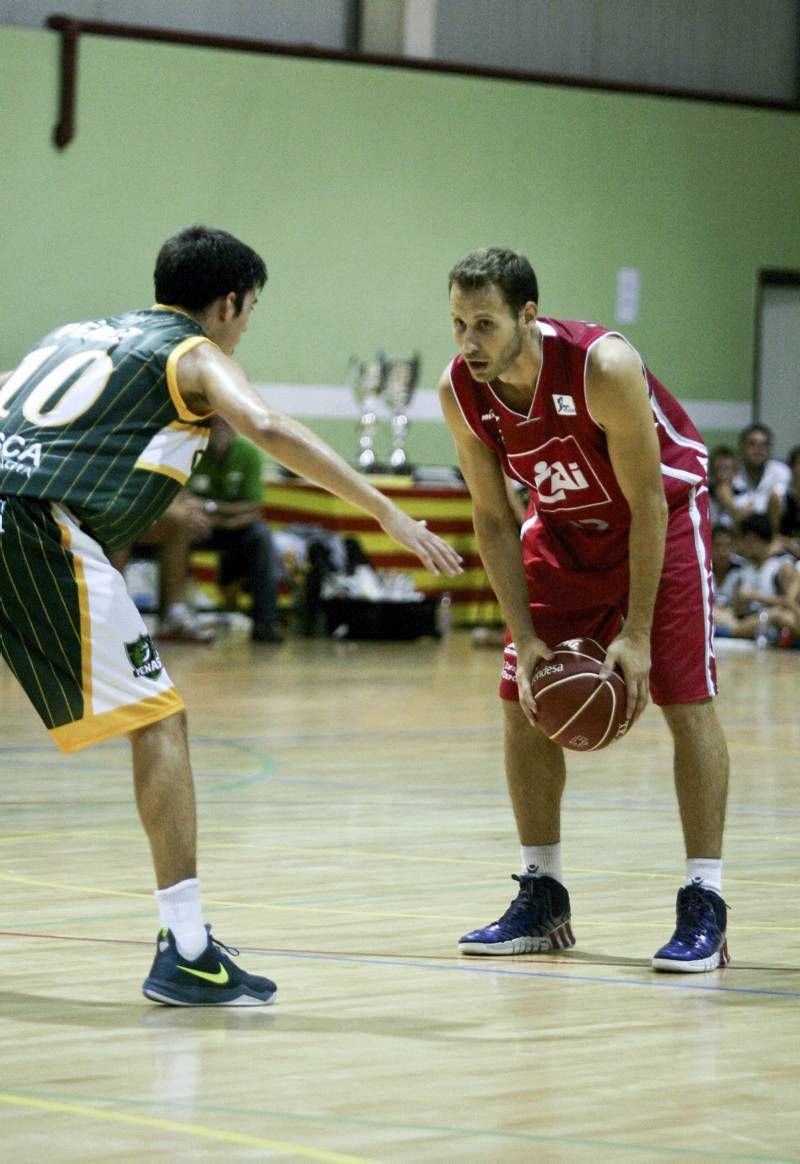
point(615, 546)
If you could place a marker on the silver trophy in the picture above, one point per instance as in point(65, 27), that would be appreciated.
point(368, 380)
point(401, 380)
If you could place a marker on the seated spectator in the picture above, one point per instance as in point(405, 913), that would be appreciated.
point(722, 468)
point(767, 600)
point(228, 479)
point(789, 528)
point(761, 481)
point(726, 568)
point(172, 536)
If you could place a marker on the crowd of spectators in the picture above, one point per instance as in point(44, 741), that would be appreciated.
point(755, 513)
point(755, 510)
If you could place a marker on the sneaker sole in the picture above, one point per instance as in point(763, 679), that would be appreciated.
point(717, 961)
point(158, 995)
point(560, 938)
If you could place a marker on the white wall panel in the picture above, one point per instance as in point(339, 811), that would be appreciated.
point(745, 47)
point(731, 46)
point(317, 22)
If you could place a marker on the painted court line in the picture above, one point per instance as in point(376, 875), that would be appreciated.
point(462, 1132)
point(196, 1130)
point(654, 981)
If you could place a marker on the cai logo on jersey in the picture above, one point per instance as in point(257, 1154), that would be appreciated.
point(561, 475)
point(554, 481)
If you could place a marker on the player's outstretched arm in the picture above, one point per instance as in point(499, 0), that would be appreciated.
point(210, 381)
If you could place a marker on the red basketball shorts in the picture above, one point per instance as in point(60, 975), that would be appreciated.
point(683, 667)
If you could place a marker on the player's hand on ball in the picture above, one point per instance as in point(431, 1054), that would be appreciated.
point(528, 655)
point(631, 653)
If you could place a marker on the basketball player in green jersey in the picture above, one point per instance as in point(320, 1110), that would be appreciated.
point(99, 427)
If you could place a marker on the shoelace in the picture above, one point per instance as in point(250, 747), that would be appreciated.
point(524, 901)
point(232, 950)
point(695, 907)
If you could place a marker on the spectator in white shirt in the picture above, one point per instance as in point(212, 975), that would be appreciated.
point(761, 482)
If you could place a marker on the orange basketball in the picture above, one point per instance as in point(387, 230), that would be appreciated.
point(575, 707)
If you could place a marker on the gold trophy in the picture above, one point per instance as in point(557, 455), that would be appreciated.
point(368, 379)
point(401, 380)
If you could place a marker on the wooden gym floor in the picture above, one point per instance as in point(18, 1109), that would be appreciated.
point(353, 824)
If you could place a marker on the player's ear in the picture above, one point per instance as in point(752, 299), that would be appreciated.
point(530, 311)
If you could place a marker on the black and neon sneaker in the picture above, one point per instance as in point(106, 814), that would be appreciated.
point(699, 942)
point(537, 920)
point(210, 980)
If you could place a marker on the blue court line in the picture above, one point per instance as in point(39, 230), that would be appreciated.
point(663, 981)
point(657, 982)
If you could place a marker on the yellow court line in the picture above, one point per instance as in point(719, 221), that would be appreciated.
point(427, 858)
point(134, 834)
point(73, 888)
point(294, 906)
point(729, 878)
point(384, 914)
point(62, 834)
point(95, 1113)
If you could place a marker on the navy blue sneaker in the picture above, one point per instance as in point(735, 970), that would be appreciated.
point(537, 920)
point(699, 942)
point(211, 980)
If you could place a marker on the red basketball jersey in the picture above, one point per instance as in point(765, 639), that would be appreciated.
point(560, 453)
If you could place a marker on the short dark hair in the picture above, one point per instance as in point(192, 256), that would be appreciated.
point(758, 524)
point(511, 273)
point(199, 264)
point(756, 426)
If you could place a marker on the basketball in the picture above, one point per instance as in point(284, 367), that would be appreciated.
point(575, 707)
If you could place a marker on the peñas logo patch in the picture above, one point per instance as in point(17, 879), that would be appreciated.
point(144, 658)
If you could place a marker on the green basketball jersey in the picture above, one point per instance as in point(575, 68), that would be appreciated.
point(92, 418)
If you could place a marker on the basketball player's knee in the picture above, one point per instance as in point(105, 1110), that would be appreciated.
point(696, 725)
point(683, 717)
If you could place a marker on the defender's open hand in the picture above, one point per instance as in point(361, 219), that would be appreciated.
point(434, 553)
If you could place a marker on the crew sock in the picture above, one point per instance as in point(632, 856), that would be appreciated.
point(181, 911)
point(546, 859)
point(708, 870)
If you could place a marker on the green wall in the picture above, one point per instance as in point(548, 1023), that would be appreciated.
point(362, 186)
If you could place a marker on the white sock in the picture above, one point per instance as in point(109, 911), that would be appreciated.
point(546, 858)
point(181, 910)
point(709, 872)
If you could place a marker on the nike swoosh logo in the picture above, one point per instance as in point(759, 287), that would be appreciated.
point(219, 978)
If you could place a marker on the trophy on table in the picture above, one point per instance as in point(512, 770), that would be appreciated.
point(401, 380)
point(368, 379)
